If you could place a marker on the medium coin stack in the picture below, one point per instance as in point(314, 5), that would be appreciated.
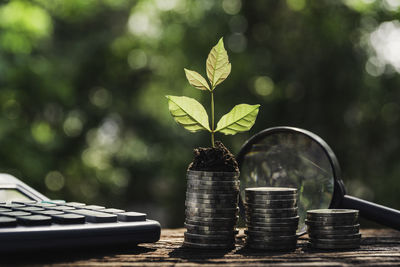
point(271, 218)
point(211, 209)
point(333, 228)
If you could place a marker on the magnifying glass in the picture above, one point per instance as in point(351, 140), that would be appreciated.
point(294, 157)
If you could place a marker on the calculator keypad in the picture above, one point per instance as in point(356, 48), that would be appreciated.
point(31, 213)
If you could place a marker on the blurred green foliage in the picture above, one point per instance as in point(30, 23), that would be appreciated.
point(82, 84)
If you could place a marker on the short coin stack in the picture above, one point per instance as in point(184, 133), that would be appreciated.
point(211, 209)
point(333, 228)
point(271, 218)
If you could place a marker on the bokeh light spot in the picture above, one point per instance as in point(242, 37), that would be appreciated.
point(237, 42)
point(54, 181)
point(263, 85)
point(385, 40)
point(137, 59)
point(100, 97)
point(296, 5)
point(73, 124)
point(42, 132)
point(231, 7)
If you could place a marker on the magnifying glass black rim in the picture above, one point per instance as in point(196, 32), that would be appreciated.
point(338, 189)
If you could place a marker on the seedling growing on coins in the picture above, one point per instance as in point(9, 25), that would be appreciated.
point(189, 113)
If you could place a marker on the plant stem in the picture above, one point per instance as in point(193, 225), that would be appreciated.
point(212, 118)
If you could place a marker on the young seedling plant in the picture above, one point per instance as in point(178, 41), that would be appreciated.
point(189, 113)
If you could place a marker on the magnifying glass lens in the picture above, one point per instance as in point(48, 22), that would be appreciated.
point(290, 159)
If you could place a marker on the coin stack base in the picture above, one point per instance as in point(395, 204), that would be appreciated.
point(271, 218)
point(211, 210)
point(333, 229)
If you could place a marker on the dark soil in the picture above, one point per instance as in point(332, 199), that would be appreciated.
point(217, 158)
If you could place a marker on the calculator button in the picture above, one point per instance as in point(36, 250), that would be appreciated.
point(113, 211)
point(131, 216)
point(55, 201)
point(5, 210)
point(11, 206)
point(75, 204)
point(95, 216)
point(16, 213)
point(62, 208)
point(93, 207)
point(30, 209)
point(34, 220)
point(68, 218)
point(43, 205)
point(48, 212)
point(7, 221)
point(24, 202)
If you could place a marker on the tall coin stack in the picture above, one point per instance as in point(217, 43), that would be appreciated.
point(271, 218)
point(211, 209)
point(333, 229)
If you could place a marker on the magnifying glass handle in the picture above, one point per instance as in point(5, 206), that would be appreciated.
point(374, 212)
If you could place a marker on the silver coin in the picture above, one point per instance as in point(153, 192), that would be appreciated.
point(334, 246)
point(228, 205)
point(258, 234)
point(210, 237)
point(257, 215)
point(213, 196)
point(334, 236)
point(251, 210)
point(213, 211)
point(253, 237)
point(202, 241)
point(232, 192)
point(267, 229)
point(319, 226)
point(349, 231)
point(205, 232)
point(333, 213)
point(291, 224)
point(272, 247)
point(312, 232)
point(227, 220)
point(208, 246)
point(227, 187)
point(212, 179)
point(213, 183)
point(335, 241)
point(227, 223)
point(213, 174)
point(213, 190)
point(210, 215)
point(217, 239)
point(270, 191)
point(250, 220)
point(210, 228)
point(261, 199)
point(331, 221)
point(287, 242)
point(267, 204)
point(211, 201)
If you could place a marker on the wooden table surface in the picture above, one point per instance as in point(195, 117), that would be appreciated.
point(378, 248)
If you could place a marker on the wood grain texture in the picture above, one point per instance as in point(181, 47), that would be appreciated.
point(378, 248)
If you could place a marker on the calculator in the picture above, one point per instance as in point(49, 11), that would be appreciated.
point(29, 221)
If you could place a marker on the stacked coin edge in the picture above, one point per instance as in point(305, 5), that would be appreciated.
point(271, 218)
point(211, 209)
point(333, 229)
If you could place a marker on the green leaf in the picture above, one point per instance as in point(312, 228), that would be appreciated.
point(217, 65)
point(241, 118)
point(196, 80)
point(188, 112)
